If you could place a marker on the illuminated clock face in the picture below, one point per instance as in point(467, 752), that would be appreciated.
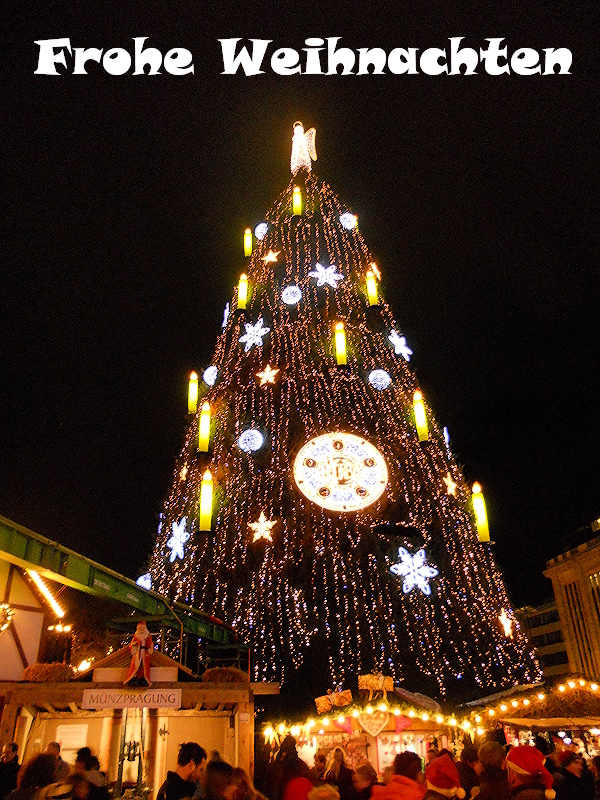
point(340, 472)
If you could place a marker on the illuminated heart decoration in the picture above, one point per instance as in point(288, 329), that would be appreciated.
point(373, 723)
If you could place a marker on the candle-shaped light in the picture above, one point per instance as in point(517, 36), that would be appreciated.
point(297, 201)
point(193, 393)
point(372, 289)
point(340, 344)
point(420, 417)
point(206, 497)
point(247, 242)
point(481, 520)
point(204, 429)
point(242, 291)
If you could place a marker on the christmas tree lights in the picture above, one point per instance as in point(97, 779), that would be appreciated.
point(325, 579)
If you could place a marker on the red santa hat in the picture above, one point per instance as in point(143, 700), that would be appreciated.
point(442, 776)
point(526, 760)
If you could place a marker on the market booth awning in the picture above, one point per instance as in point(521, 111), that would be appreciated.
point(572, 703)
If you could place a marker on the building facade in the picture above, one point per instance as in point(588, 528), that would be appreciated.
point(542, 626)
point(575, 577)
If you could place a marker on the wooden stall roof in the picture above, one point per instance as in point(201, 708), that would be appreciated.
point(68, 696)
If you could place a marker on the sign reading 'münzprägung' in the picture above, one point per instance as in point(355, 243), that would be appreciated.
point(125, 698)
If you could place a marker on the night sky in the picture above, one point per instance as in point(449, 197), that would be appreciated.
point(125, 203)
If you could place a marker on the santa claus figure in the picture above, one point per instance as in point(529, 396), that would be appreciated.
point(141, 647)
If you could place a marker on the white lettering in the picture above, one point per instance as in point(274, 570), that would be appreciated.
point(251, 64)
point(48, 58)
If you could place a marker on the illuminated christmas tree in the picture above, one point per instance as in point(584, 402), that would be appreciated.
point(316, 502)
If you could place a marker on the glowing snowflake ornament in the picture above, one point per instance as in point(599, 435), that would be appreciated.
point(291, 295)
point(262, 528)
point(379, 379)
point(326, 276)
point(261, 230)
point(209, 376)
point(250, 440)
point(145, 581)
point(254, 334)
point(400, 346)
point(348, 221)
point(414, 570)
point(179, 536)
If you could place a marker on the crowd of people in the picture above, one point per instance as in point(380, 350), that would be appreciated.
point(491, 772)
point(47, 775)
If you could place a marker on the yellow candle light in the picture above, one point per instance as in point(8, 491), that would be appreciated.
point(242, 292)
point(420, 417)
point(193, 393)
point(204, 431)
point(297, 201)
point(206, 495)
point(247, 242)
point(481, 520)
point(340, 344)
point(372, 289)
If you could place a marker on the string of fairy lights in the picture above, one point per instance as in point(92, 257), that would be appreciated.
point(475, 720)
point(321, 573)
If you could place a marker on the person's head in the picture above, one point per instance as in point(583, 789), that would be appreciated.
point(469, 755)
point(287, 749)
point(364, 777)
point(442, 776)
point(94, 763)
point(432, 753)
point(53, 748)
point(336, 758)
point(320, 761)
point(81, 786)
point(407, 764)
point(10, 751)
point(526, 766)
point(191, 761)
point(244, 787)
point(83, 759)
point(491, 755)
point(571, 762)
point(219, 781)
point(37, 772)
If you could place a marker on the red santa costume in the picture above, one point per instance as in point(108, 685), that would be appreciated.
point(141, 647)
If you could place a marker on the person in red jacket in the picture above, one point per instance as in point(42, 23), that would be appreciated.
point(407, 781)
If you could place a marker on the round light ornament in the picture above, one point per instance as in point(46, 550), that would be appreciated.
point(250, 440)
point(209, 376)
point(291, 295)
point(340, 472)
point(348, 220)
point(261, 230)
point(379, 379)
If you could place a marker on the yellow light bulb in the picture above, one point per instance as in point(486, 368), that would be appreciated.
point(204, 429)
point(341, 719)
point(372, 289)
point(297, 201)
point(247, 242)
point(420, 417)
point(541, 696)
point(369, 709)
point(193, 393)
point(481, 520)
point(439, 719)
point(206, 496)
point(340, 344)
point(503, 707)
point(478, 719)
point(281, 728)
point(242, 292)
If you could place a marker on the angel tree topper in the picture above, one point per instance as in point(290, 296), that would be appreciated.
point(414, 570)
point(303, 148)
